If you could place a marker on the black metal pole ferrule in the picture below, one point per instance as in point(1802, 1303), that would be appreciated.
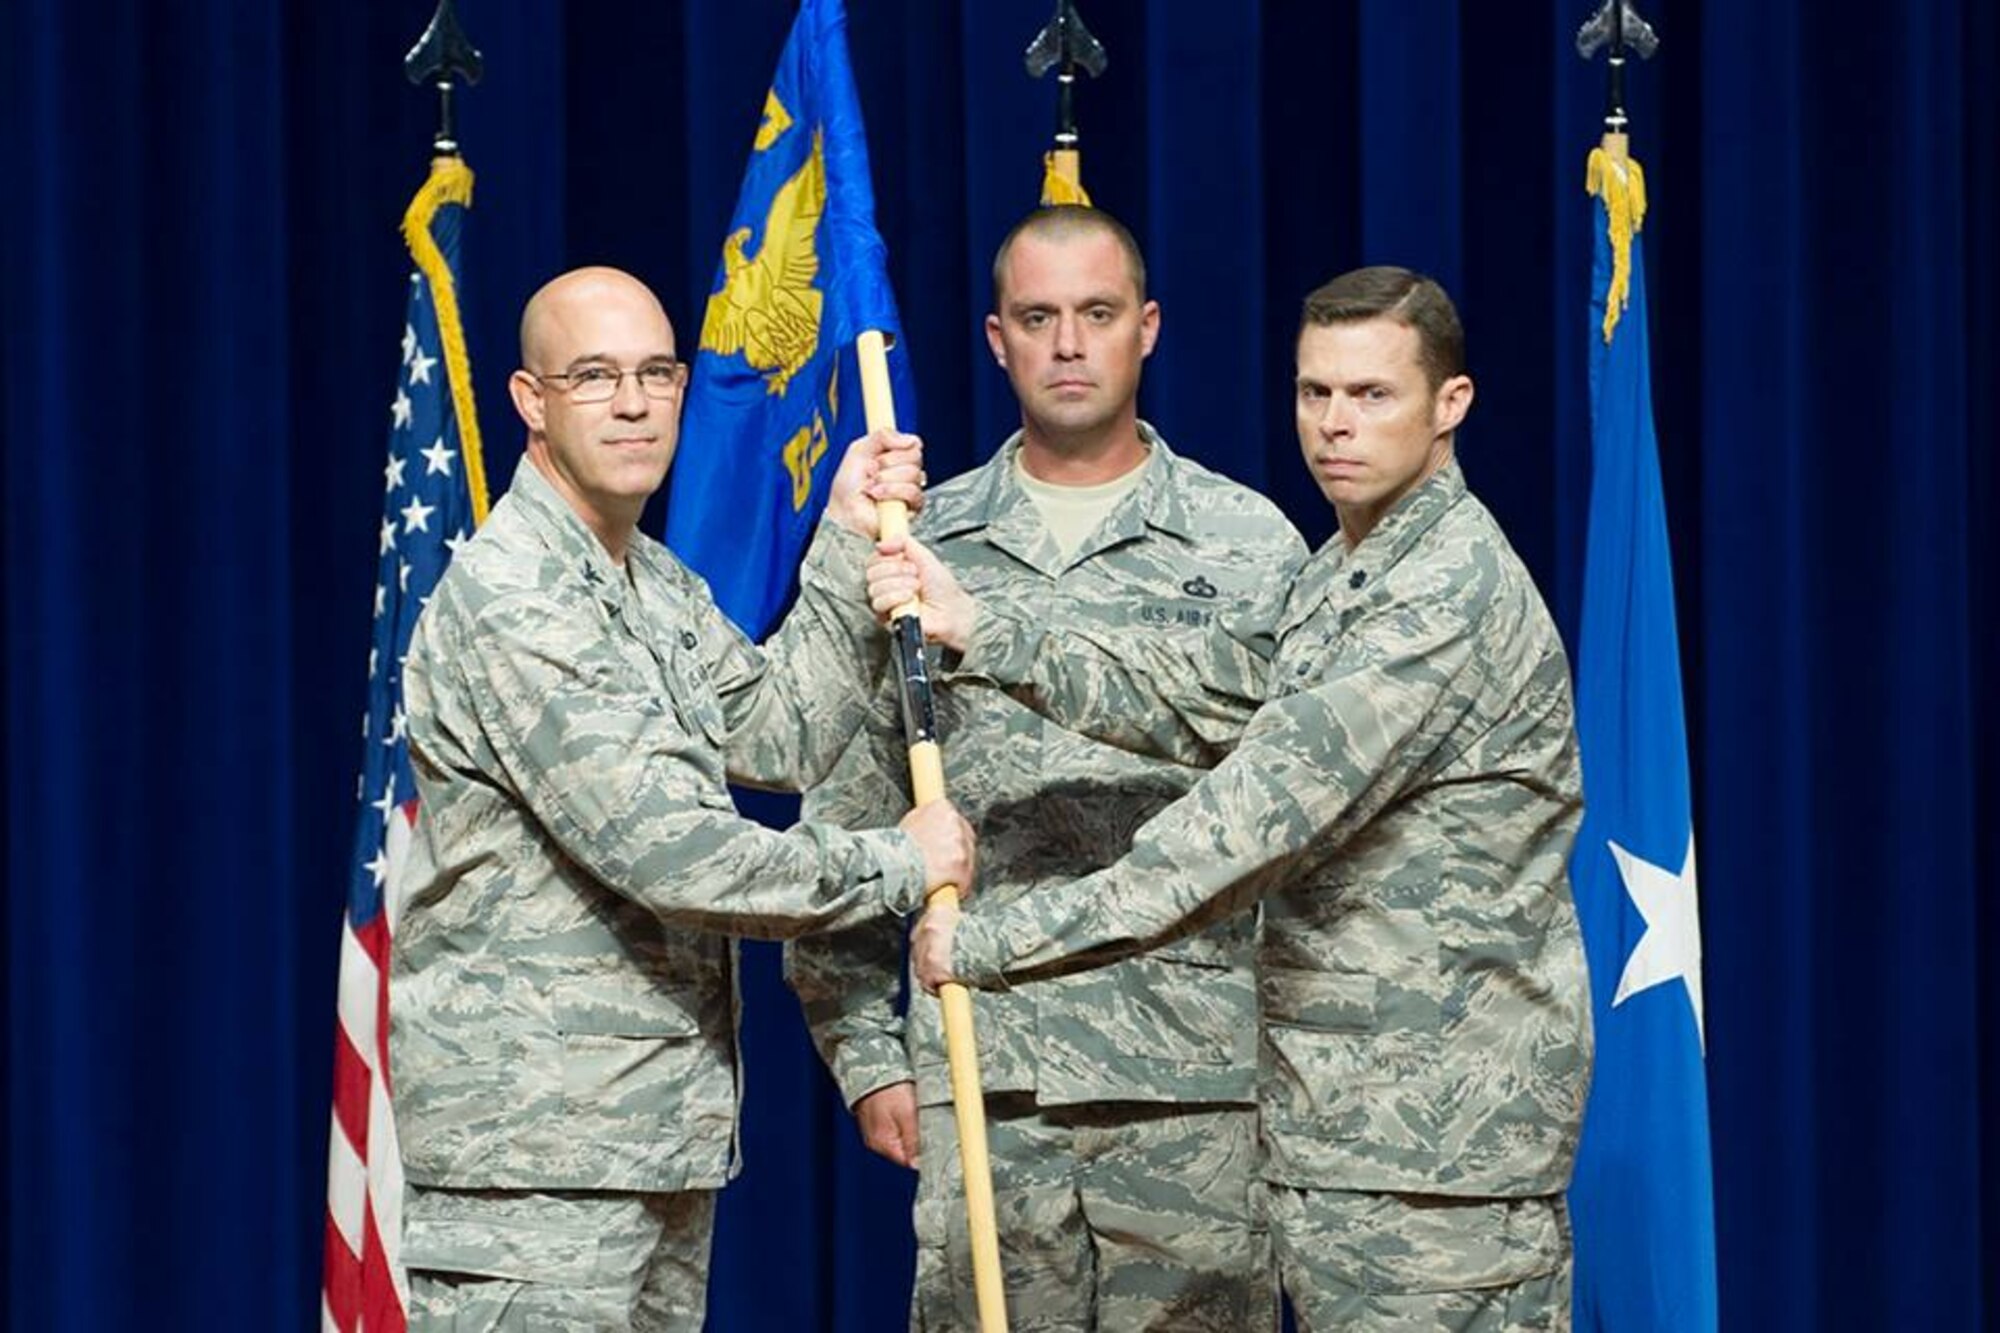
point(919, 707)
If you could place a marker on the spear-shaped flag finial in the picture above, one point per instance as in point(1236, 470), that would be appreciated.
point(1065, 46)
point(441, 56)
point(1618, 27)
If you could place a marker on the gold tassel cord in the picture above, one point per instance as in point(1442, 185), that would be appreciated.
point(450, 182)
point(1062, 178)
point(1617, 179)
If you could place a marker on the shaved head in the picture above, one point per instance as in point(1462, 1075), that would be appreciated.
point(1058, 223)
point(553, 314)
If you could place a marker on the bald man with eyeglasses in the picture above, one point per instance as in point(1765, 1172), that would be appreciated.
point(562, 989)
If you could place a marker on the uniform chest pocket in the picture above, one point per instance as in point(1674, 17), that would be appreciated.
point(703, 711)
point(1188, 614)
point(673, 658)
point(1305, 652)
point(694, 692)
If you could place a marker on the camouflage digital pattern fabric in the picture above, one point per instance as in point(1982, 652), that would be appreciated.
point(1396, 1263)
point(1117, 1215)
point(508, 1261)
point(562, 989)
point(1185, 554)
point(1404, 806)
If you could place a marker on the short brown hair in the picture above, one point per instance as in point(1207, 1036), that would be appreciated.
point(1062, 222)
point(1386, 292)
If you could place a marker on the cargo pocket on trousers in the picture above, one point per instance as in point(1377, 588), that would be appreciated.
point(1415, 1243)
point(936, 1303)
point(495, 1248)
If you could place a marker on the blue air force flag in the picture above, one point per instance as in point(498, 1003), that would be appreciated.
point(776, 395)
point(1642, 1197)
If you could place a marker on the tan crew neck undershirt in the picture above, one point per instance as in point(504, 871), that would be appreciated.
point(1072, 513)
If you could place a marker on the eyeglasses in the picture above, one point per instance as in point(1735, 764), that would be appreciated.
point(599, 383)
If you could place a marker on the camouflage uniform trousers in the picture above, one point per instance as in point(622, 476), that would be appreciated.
point(562, 1261)
point(1113, 1217)
point(1417, 1262)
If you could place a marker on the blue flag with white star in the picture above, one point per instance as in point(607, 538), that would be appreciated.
point(1642, 1198)
point(776, 394)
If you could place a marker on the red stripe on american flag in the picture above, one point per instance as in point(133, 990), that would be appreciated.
point(351, 1079)
point(374, 938)
point(342, 1282)
point(381, 1303)
point(362, 1285)
point(374, 941)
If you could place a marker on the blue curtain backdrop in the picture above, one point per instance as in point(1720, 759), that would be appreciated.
point(201, 285)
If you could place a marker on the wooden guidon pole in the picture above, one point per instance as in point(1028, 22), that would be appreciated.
point(927, 784)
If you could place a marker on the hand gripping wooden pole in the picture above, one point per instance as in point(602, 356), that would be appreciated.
point(927, 784)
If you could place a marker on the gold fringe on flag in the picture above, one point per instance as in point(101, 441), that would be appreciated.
point(450, 182)
point(1616, 178)
point(1062, 178)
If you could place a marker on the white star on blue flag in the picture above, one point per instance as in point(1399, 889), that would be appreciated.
point(420, 504)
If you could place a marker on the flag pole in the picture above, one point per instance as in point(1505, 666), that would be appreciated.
point(1612, 174)
point(444, 54)
point(1066, 47)
point(1616, 28)
point(927, 784)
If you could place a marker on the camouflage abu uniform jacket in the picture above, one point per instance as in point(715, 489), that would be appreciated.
point(1185, 551)
point(1404, 804)
point(563, 1000)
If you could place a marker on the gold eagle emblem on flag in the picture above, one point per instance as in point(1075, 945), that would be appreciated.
point(767, 308)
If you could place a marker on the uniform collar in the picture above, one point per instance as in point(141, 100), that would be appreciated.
point(1346, 575)
point(570, 540)
point(1405, 524)
point(994, 506)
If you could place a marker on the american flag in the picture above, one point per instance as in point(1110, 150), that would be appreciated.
point(429, 484)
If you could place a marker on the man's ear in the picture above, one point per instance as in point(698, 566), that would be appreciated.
point(994, 341)
point(1454, 400)
point(526, 391)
